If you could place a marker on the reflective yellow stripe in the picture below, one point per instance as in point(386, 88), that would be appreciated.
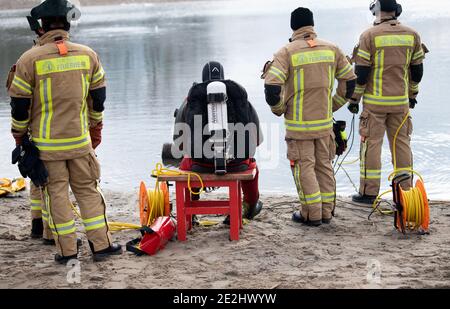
point(313, 198)
point(63, 228)
point(62, 144)
point(344, 71)
point(44, 215)
point(419, 54)
point(83, 110)
point(67, 224)
point(20, 125)
point(394, 40)
point(362, 157)
point(363, 54)
point(330, 90)
point(386, 101)
point(279, 107)
point(359, 89)
point(23, 85)
point(299, 90)
point(371, 174)
point(98, 115)
point(406, 71)
point(328, 197)
point(94, 223)
point(316, 125)
point(36, 205)
point(298, 183)
point(378, 73)
point(98, 76)
point(45, 89)
point(414, 87)
point(304, 58)
point(278, 73)
point(63, 64)
point(340, 100)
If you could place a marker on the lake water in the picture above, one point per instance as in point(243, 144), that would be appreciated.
point(153, 53)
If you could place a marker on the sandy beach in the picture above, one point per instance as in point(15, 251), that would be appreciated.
point(273, 252)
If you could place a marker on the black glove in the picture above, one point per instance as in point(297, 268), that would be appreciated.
point(353, 108)
point(412, 103)
point(340, 137)
point(27, 157)
point(39, 174)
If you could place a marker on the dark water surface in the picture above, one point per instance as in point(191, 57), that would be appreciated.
point(153, 53)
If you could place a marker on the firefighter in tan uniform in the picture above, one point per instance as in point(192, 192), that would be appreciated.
point(49, 100)
point(299, 83)
point(389, 69)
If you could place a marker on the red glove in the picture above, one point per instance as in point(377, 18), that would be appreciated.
point(96, 134)
point(18, 137)
point(18, 140)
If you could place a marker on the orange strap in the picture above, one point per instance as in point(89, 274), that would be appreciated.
point(312, 43)
point(62, 48)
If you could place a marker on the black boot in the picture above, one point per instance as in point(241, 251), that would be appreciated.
point(326, 221)
point(37, 228)
point(253, 210)
point(114, 249)
point(48, 242)
point(249, 212)
point(297, 217)
point(364, 199)
point(64, 259)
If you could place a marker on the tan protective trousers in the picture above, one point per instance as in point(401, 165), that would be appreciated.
point(37, 211)
point(372, 127)
point(311, 162)
point(82, 174)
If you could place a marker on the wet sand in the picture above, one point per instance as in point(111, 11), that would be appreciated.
point(273, 252)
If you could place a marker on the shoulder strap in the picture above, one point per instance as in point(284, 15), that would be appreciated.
point(62, 47)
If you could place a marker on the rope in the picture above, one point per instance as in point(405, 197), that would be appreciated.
point(113, 226)
point(160, 171)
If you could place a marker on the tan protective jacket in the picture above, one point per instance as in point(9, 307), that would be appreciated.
point(306, 68)
point(57, 76)
point(389, 48)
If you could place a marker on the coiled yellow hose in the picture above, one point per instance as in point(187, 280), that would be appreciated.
point(414, 200)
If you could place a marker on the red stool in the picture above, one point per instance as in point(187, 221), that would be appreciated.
point(186, 207)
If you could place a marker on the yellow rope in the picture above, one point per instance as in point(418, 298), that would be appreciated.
point(350, 162)
point(113, 226)
point(160, 171)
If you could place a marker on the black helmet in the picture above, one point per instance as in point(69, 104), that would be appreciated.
point(213, 70)
point(50, 10)
point(386, 6)
point(301, 17)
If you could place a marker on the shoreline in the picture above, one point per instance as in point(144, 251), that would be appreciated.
point(273, 252)
point(28, 4)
